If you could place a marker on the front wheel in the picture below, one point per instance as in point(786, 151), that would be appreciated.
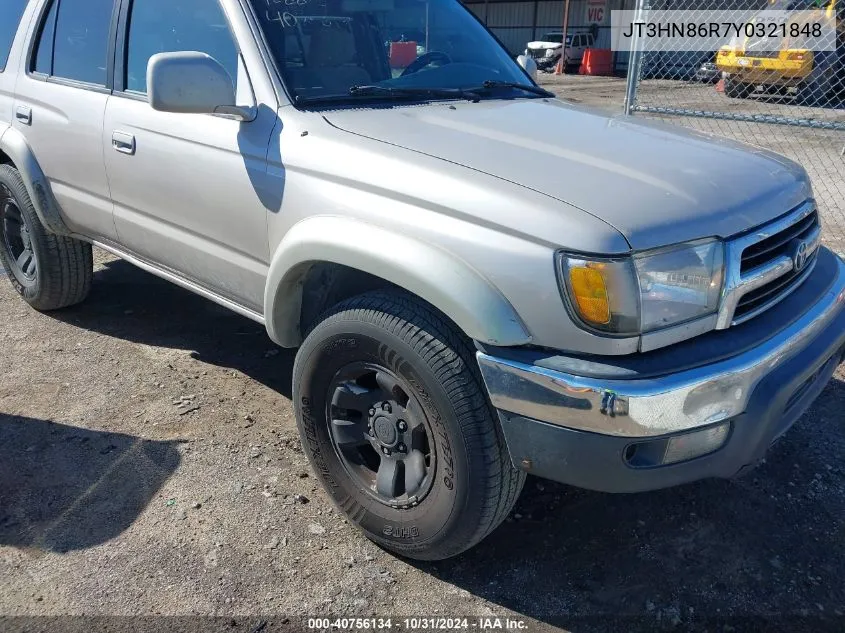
point(395, 421)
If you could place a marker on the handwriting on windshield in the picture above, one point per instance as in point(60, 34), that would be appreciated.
point(279, 11)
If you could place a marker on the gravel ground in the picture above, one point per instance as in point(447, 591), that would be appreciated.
point(149, 464)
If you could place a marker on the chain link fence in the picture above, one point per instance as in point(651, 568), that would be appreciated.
point(785, 98)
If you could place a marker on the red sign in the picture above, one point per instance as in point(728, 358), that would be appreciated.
point(596, 10)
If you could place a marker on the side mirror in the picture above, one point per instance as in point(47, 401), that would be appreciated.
point(190, 82)
point(529, 65)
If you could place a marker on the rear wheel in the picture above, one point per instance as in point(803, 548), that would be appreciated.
point(816, 90)
point(49, 271)
point(395, 422)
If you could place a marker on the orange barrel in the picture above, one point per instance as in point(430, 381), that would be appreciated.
point(603, 60)
point(597, 61)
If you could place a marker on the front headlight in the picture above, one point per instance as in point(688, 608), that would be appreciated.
point(648, 291)
point(679, 284)
point(550, 52)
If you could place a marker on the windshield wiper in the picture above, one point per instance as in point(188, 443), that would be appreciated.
point(356, 93)
point(401, 91)
point(492, 84)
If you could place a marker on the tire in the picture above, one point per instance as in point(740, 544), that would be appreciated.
point(49, 271)
point(423, 359)
point(816, 91)
point(737, 89)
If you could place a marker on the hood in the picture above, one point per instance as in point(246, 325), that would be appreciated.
point(656, 184)
point(543, 45)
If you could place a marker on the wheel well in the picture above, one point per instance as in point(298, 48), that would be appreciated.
point(4, 158)
point(326, 284)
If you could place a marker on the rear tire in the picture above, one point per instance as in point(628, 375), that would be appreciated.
point(816, 91)
point(393, 353)
point(49, 271)
point(737, 89)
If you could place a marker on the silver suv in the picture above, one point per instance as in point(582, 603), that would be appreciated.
point(482, 281)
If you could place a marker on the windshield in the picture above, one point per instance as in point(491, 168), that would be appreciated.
point(324, 48)
point(796, 5)
point(556, 37)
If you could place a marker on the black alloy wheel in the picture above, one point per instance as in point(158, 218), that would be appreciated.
point(17, 239)
point(381, 433)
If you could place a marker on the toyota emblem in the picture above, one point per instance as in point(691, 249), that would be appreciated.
point(800, 255)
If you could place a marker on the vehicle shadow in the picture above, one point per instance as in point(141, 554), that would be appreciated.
point(64, 488)
point(133, 305)
point(716, 555)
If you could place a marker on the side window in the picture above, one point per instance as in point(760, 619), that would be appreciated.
point(82, 40)
point(162, 26)
point(44, 52)
point(74, 41)
point(10, 18)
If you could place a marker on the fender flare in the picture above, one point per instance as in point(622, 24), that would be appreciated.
point(431, 273)
point(14, 145)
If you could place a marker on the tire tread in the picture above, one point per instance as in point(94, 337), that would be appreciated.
point(66, 265)
point(450, 356)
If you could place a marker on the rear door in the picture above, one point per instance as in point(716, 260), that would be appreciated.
point(11, 13)
point(187, 188)
point(577, 49)
point(60, 102)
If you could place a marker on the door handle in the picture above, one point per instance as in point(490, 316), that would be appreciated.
point(24, 115)
point(123, 143)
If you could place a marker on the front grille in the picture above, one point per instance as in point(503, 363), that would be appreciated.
point(771, 292)
point(767, 250)
point(537, 53)
point(776, 245)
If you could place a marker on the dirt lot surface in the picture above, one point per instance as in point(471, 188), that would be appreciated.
point(149, 464)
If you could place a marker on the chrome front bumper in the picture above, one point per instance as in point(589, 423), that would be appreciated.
point(657, 406)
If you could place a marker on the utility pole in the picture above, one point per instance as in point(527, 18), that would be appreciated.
point(561, 65)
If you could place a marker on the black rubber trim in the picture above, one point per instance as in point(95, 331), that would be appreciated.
point(697, 352)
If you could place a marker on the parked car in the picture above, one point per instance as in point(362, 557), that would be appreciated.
point(708, 73)
point(546, 51)
point(676, 65)
point(482, 281)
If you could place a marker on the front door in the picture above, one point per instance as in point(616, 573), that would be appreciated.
point(187, 187)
